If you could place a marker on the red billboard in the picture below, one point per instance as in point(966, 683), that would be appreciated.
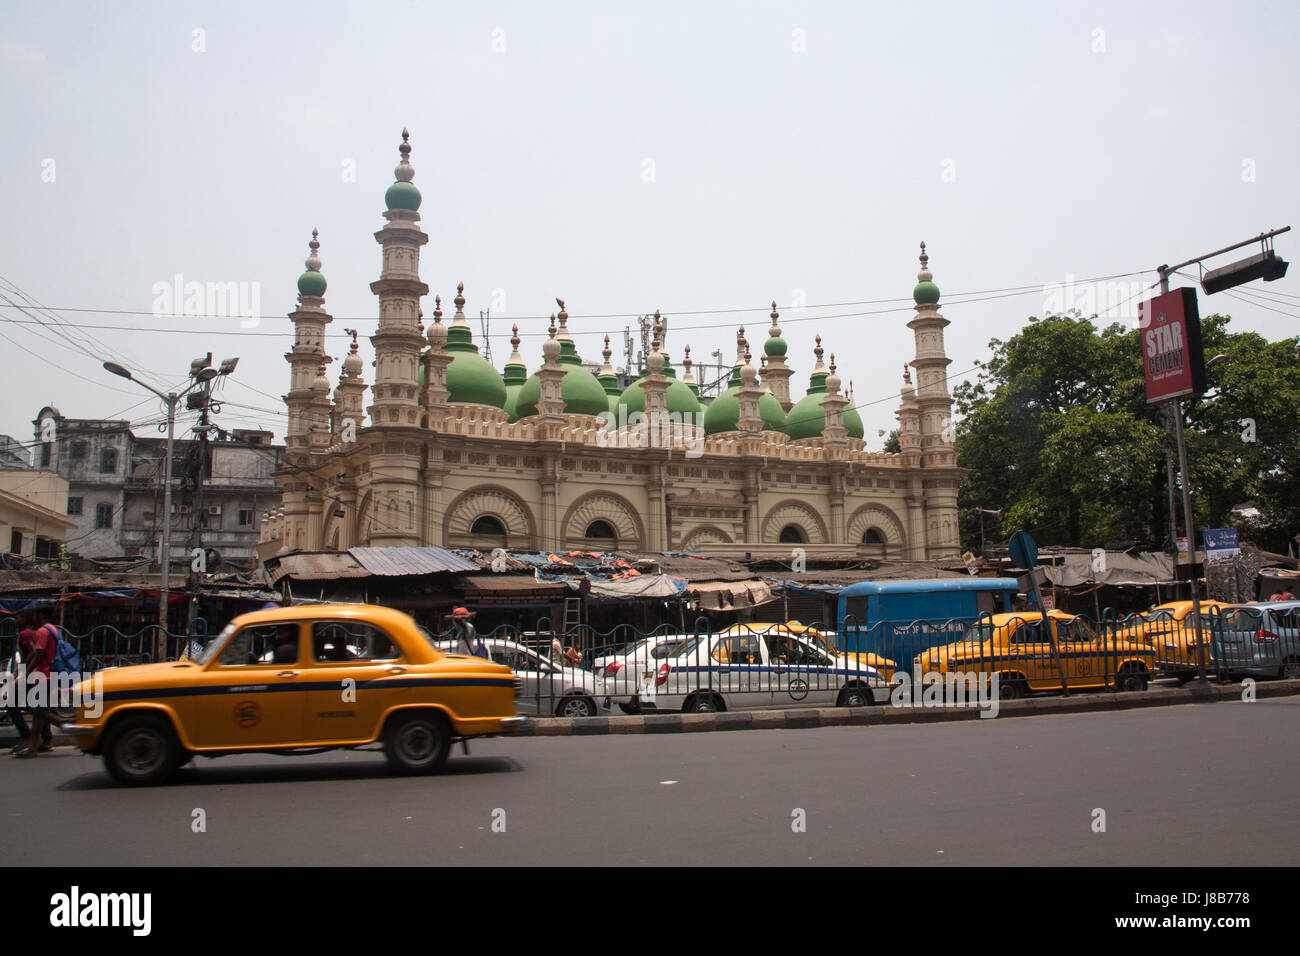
point(1170, 328)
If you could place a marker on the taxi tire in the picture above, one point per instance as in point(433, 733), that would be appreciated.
point(1012, 687)
point(1131, 679)
point(1290, 668)
point(703, 702)
point(142, 751)
point(855, 697)
point(417, 743)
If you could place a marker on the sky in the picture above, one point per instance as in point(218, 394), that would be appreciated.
point(703, 159)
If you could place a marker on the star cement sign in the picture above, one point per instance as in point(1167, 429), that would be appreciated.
point(1171, 346)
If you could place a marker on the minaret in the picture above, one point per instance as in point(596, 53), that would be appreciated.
point(931, 363)
point(350, 395)
point(776, 374)
point(322, 412)
point(436, 359)
point(398, 340)
point(656, 382)
point(309, 321)
point(608, 378)
point(395, 511)
point(909, 422)
point(688, 377)
point(515, 372)
point(834, 432)
point(749, 420)
point(550, 406)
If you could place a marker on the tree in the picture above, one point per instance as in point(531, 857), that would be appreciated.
point(1057, 433)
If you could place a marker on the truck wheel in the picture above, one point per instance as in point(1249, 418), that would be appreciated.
point(142, 750)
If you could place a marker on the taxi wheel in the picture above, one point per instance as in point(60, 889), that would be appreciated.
point(417, 743)
point(1011, 687)
point(141, 751)
point(575, 706)
point(702, 703)
point(1132, 679)
point(1290, 668)
point(855, 697)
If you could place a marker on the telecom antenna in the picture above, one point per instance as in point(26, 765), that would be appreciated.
point(483, 318)
point(627, 350)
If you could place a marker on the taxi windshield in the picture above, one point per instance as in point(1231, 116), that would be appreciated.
point(210, 648)
point(978, 632)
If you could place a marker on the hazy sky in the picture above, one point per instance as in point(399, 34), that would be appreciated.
point(698, 158)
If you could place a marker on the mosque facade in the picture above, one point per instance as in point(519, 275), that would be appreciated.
point(452, 452)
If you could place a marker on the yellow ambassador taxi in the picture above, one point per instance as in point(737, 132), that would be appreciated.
point(1015, 647)
point(295, 680)
point(1170, 629)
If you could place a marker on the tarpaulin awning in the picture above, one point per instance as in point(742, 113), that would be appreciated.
point(410, 560)
point(1117, 567)
point(726, 595)
point(643, 586)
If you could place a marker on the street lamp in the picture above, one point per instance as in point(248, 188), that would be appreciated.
point(172, 399)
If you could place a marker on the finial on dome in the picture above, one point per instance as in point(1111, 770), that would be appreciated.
point(419, 320)
point(818, 350)
point(686, 361)
point(552, 329)
point(907, 374)
point(460, 296)
point(924, 257)
point(514, 337)
point(832, 363)
point(606, 352)
point(551, 347)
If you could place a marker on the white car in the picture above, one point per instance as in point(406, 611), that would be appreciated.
point(744, 668)
point(645, 652)
point(543, 688)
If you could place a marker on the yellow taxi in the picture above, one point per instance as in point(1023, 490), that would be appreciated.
point(292, 680)
point(1016, 647)
point(1170, 629)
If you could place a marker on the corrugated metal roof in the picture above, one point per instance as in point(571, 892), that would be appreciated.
point(403, 561)
point(512, 582)
point(321, 566)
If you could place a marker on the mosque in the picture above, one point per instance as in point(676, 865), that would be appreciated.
point(454, 453)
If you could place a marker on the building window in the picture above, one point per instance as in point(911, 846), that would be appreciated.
point(78, 451)
point(245, 517)
point(486, 524)
point(74, 507)
point(792, 534)
point(16, 541)
point(108, 461)
point(600, 529)
point(45, 455)
point(103, 516)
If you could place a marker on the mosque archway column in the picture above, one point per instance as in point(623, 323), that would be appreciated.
point(753, 516)
point(347, 496)
point(550, 485)
point(836, 523)
point(916, 532)
point(656, 511)
point(435, 499)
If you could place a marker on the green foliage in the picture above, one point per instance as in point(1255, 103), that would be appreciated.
point(1057, 433)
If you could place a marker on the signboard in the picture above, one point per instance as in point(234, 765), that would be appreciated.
point(969, 560)
point(1182, 551)
point(1221, 543)
point(1172, 359)
point(1023, 550)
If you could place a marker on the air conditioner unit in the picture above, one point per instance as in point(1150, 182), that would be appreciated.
point(214, 509)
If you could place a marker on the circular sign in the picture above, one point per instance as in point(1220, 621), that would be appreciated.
point(798, 689)
point(247, 714)
point(1023, 550)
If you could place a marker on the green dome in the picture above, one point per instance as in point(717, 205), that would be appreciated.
point(471, 379)
point(680, 398)
point(402, 196)
point(774, 346)
point(311, 283)
point(582, 394)
point(925, 293)
point(853, 422)
point(807, 418)
point(512, 399)
point(723, 413)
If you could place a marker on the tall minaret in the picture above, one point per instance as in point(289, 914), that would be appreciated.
point(395, 515)
point(398, 340)
point(938, 493)
point(308, 355)
point(931, 363)
point(350, 395)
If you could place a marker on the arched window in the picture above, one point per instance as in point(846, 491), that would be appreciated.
point(486, 524)
point(600, 529)
point(872, 536)
point(873, 543)
point(792, 534)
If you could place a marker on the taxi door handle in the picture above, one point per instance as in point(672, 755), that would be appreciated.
point(397, 669)
point(287, 674)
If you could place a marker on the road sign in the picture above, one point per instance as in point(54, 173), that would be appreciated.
point(1172, 359)
point(1221, 543)
point(1023, 550)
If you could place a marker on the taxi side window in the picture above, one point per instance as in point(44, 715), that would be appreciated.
point(267, 644)
point(1028, 632)
point(741, 649)
point(341, 641)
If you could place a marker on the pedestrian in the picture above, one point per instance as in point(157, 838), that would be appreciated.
point(26, 638)
point(467, 641)
point(38, 647)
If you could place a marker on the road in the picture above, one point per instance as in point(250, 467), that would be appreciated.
point(1213, 784)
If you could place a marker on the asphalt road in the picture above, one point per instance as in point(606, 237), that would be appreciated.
point(1213, 784)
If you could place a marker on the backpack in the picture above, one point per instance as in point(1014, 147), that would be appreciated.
point(65, 660)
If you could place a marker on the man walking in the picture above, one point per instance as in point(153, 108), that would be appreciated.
point(38, 653)
point(467, 641)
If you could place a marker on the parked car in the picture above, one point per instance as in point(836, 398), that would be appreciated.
point(829, 641)
point(297, 680)
point(543, 687)
point(1258, 640)
point(1016, 648)
point(648, 650)
point(1170, 629)
point(748, 667)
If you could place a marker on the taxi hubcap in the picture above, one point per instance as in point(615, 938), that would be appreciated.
point(417, 741)
point(575, 708)
point(141, 751)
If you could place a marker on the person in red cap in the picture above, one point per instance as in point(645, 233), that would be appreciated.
point(467, 641)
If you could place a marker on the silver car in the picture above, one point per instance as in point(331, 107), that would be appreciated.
point(543, 688)
point(1259, 640)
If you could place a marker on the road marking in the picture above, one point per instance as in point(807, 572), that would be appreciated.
point(667, 783)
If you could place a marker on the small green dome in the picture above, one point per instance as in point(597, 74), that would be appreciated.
point(807, 418)
point(512, 399)
point(679, 397)
point(723, 413)
point(311, 283)
point(925, 293)
point(774, 346)
point(471, 379)
point(582, 394)
point(402, 196)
